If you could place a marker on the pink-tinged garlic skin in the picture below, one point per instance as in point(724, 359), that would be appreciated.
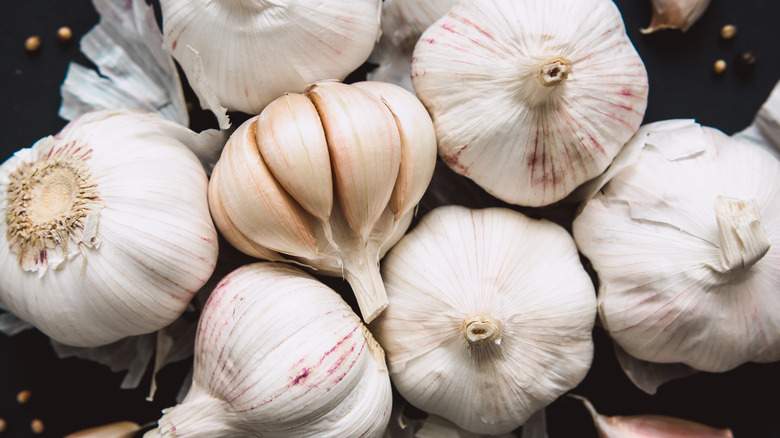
point(530, 99)
point(280, 354)
point(675, 14)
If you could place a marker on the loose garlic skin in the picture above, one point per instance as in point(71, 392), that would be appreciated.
point(249, 52)
point(106, 231)
point(685, 238)
point(675, 14)
point(530, 99)
point(329, 179)
point(490, 316)
point(268, 365)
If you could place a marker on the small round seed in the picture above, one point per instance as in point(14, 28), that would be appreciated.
point(23, 396)
point(32, 43)
point(746, 59)
point(36, 426)
point(728, 31)
point(3, 425)
point(719, 66)
point(64, 34)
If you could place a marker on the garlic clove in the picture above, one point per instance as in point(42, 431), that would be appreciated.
point(292, 141)
point(265, 213)
point(121, 429)
point(649, 426)
point(675, 14)
point(524, 103)
point(365, 161)
point(418, 144)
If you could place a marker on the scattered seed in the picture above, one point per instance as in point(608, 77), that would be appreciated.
point(719, 66)
point(36, 426)
point(64, 34)
point(728, 31)
point(3, 425)
point(746, 59)
point(33, 43)
point(23, 396)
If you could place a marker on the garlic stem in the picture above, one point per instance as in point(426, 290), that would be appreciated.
point(550, 75)
point(553, 71)
point(479, 329)
point(367, 284)
point(743, 240)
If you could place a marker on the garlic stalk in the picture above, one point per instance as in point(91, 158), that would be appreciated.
point(685, 238)
point(490, 316)
point(280, 354)
point(243, 54)
point(92, 249)
point(530, 99)
point(675, 14)
point(329, 178)
point(641, 426)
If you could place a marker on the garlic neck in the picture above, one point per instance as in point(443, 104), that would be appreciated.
point(541, 82)
point(480, 329)
point(743, 240)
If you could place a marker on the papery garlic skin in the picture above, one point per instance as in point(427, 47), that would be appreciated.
point(328, 179)
point(530, 99)
point(675, 14)
point(247, 53)
point(683, 279)
point(279, 354)
point(462, 273)
point(132, 239)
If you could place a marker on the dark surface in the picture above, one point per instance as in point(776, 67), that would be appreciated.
point(71, 394)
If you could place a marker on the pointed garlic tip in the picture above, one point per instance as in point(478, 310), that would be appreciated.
point(743, 240)
point(121, 429)
point(292, 142)
point(365, 151)
point(675, 14)
point(553, 71)
point(480, 329)
point(634, 426)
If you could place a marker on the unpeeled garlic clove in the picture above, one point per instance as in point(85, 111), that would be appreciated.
point(650, 426)
point(675, 14)
point(121, 429)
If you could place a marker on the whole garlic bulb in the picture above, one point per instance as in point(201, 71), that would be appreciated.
point(249, 52)
point(530, 98)
point(490, 316)
point(279, 354)
point(106, 231)
point(686, 243)
point(329, 178)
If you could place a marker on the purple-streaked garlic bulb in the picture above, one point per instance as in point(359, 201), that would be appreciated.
point(280, 354)
point(530, 98)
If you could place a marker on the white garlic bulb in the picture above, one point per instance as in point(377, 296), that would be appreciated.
point(247, 53)
point(329, 178)
point(490, 316)
point(675, 14)
point(279, 354)
point(106, 231)
point(685, 239)
point(530, 99)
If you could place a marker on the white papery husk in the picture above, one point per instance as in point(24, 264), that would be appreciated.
point(496, 263)
point(477, 68)
point(243, 54)
point(280, 354)
point(403, 21)
point(652, 237)
point(765, 128)
point(142, 252)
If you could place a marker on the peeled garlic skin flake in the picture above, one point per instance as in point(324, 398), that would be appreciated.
point(530, 98)
point(105, 229)
point(279, 354)
point(686, 244)
point(490, 316)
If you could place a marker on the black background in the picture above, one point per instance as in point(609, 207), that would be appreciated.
point(71, 394)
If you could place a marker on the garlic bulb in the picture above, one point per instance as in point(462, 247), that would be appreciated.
point(490, 316)
point(686, 243)
point(530, 99)
point(247, 53)
point(329, 178)
point(675, 14)
point(106, 230)
point(642, 426)
point(279, 354)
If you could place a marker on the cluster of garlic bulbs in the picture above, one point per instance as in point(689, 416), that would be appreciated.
point(329, 178)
